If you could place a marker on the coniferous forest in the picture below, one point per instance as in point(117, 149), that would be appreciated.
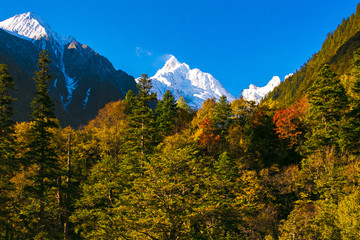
point(148, 169)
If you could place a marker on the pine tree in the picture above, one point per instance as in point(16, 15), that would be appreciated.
point(166, 115)
point(185, 114)
point(141, 118)
point(7, 150)
point(327, 102)
point(42, 155)
point(6, 123)
point(102, 209)
point(130, 101)
point(222, 115)
point(353, 124)
point(168, 196)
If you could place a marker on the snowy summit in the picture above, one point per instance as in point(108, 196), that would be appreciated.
point(254, 93)
point(192, 84)
point(30, 26)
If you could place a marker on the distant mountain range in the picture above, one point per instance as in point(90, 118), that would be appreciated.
point(84, 81)
point(196, 86)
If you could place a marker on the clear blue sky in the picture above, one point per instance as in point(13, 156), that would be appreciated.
point(238, 41)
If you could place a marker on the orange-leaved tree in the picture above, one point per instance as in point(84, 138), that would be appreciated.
point(290, 123)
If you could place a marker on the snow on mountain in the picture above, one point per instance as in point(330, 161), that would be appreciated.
point(254, 93)
point(192, 84)
point(287, 76)
point(29, 25)
point(84, 81)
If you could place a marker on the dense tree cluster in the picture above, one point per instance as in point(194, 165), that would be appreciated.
point(148, 169)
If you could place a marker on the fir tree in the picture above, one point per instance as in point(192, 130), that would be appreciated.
point(327, 101)
point(42, 155)
point(6, 123)
point(7, 150)
point(222, 115)
point(130, 101)
point(141, 118)
point(185, 114)
point(353, 125)
point(166, 115)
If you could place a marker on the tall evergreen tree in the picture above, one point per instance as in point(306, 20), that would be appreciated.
point(353, 125)
point(7, 150)
point(141, 117)
point(42, 156)
point(327, 102)
point(130, 101)
point(185, 114)
point(166, 114)
point(222, 115)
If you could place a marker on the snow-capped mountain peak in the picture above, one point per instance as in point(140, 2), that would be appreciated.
point(192, 84)
point(171, 64)
point(30, 26)
point(275, 81)
point(84, 81)
point(254, 93)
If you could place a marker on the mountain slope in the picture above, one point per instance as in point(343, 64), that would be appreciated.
point(84, 81)
point(337, 51)
point(192, 84)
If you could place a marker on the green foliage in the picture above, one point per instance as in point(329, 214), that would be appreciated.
point(168, 195)
point(8, 164)
point(348, 216)
point(141, 134)
point(337, 51)
point(99, 213)
point(42, 159)
point(222, 116)
point(185, 114)
point(327, 104)
point(166, 113)
point(352, 128)
point(7, 150)
point(225, 171)
point(311, 220)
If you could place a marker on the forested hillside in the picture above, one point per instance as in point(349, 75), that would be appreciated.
point(226, 171)
point(337, 51)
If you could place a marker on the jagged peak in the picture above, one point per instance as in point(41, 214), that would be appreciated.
point(192, 84)
point(254, 93)
point(29, 25)
point(274, 81)
point(172, 63)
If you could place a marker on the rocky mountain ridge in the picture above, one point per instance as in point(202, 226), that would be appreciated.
point(84, 81)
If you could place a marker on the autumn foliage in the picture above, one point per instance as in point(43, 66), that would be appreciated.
point(289, 122)
point(207, 138)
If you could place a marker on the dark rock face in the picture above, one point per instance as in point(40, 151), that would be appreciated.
point(83, 81)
